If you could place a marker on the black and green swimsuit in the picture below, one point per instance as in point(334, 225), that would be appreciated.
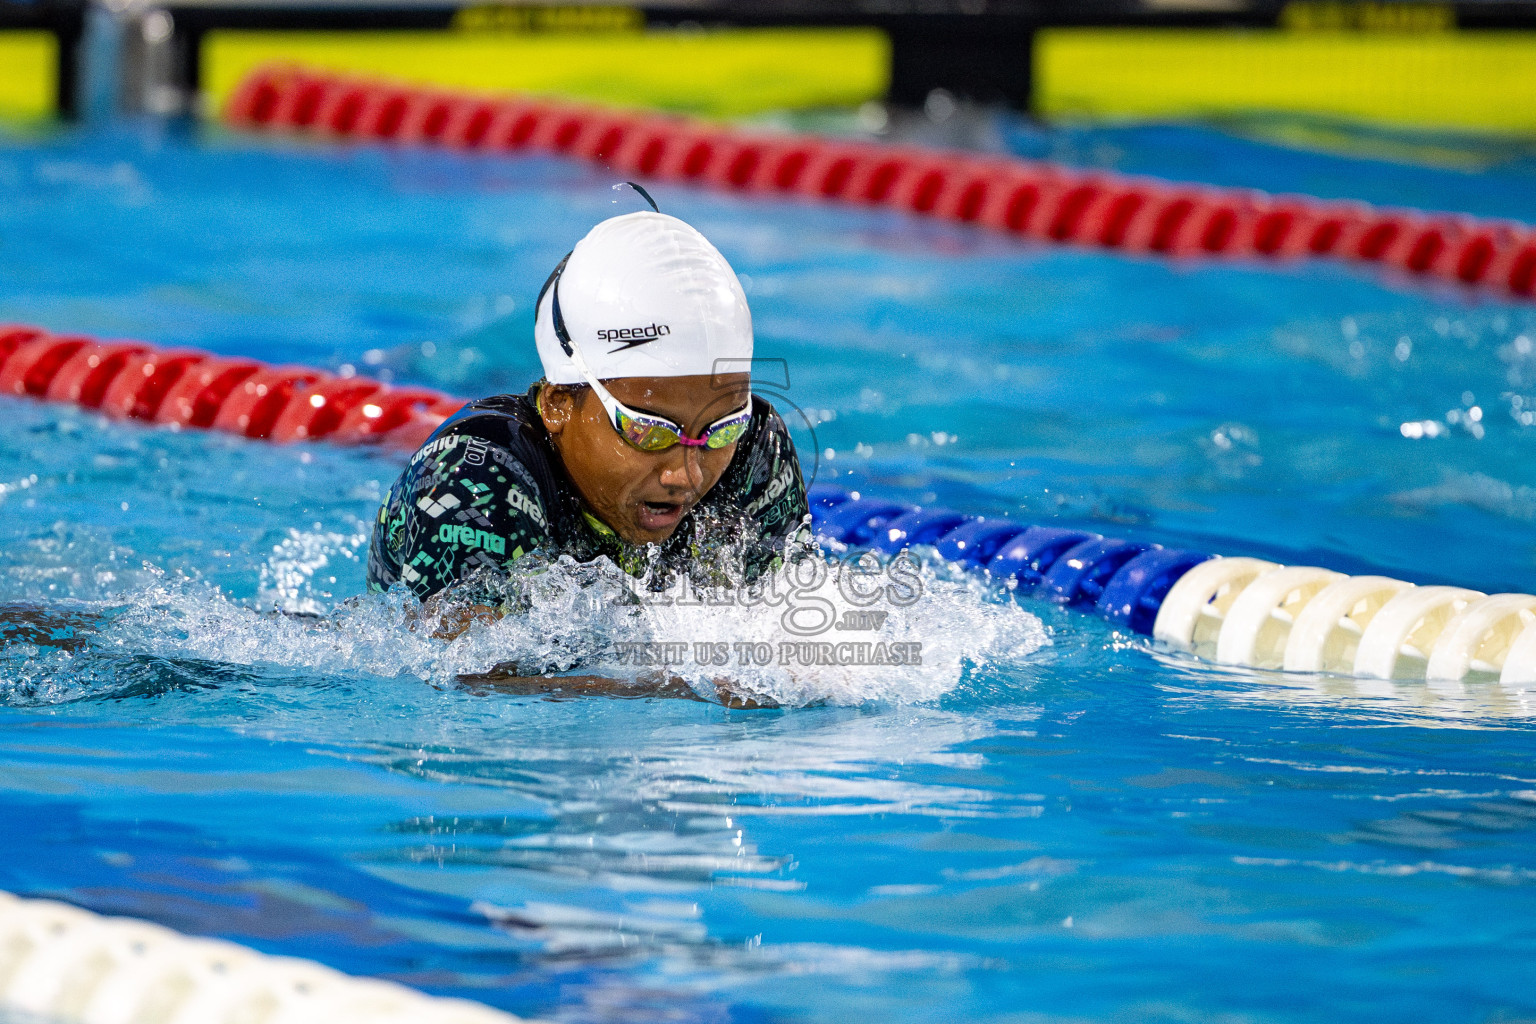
point(489, 488)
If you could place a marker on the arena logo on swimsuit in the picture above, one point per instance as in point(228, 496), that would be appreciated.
point(632, 336)
point(518, 500)
point(470, 537)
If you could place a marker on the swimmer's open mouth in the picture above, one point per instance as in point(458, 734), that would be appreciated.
point(659, 515)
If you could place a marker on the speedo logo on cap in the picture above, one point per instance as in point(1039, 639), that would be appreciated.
point(629, 337)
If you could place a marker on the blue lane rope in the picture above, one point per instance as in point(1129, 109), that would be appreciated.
point(1122, 580)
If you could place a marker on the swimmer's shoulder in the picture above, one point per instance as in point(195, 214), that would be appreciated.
point(501, 436)
point(508, 421)
point(767, 435)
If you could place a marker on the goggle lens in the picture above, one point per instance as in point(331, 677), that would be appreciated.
point(646, 435)
point(727, 433)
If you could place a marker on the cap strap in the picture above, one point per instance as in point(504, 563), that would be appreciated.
point(643, 194)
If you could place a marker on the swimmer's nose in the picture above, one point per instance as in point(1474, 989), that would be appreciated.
point(682, 471)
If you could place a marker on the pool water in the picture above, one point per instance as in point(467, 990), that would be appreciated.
point(1046, 820)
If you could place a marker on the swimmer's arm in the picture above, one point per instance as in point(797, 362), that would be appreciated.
point(656, 684)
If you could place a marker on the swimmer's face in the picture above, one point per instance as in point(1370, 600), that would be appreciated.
point(643, 495)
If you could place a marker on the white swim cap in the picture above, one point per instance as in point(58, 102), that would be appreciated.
point(644, 295)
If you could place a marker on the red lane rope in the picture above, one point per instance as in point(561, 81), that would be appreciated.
point(1042, 201)
point(132, 380)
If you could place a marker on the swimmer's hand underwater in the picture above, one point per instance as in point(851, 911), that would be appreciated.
point(71, 630)
point(504, 679)
point(451, 621)
point(26, 622)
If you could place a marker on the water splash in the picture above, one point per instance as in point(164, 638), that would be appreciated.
point(797, 637)
point(288, 575)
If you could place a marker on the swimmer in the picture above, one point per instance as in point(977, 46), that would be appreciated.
point(642, 442)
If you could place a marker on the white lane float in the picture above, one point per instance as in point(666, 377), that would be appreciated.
point(60, 964)
point(1258, 624)
point(1244, 611)
point(1194, 613)
point(1327, 631)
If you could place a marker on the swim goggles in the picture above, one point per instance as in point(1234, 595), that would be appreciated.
point(645, 431)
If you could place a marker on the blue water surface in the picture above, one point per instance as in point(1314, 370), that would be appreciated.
point(1078, 829)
